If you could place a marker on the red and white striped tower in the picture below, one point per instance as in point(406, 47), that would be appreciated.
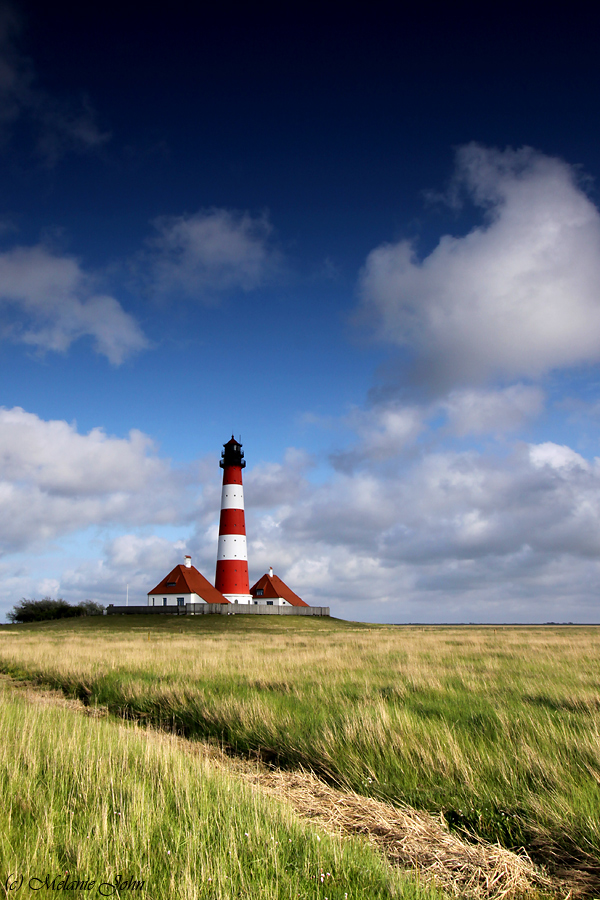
point(232, 557)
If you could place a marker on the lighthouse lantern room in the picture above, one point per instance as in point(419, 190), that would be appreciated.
point(232, 557)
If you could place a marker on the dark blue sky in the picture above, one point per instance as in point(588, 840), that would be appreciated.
point(322, 116)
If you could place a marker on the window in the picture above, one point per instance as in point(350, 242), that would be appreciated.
point(260, 592)
point(180, 601)
point(164, 601)
point(269, 603)
point(171, 583)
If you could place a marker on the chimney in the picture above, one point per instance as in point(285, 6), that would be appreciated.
point(271, 571)
point(188, 562)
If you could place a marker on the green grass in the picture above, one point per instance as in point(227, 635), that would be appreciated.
point(496, 728)
point(90, 799)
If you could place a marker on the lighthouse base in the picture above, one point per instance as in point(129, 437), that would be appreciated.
point(239, 598)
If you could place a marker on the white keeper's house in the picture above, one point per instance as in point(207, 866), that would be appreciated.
point(270, 590)
point(184, 585)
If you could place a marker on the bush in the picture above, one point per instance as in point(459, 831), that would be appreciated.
point(90, 608)
point(42, 610)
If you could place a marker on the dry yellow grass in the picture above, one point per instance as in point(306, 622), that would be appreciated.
point(413, 658)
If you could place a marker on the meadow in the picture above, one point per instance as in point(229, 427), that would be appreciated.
point(89, 807)
point(496, 730)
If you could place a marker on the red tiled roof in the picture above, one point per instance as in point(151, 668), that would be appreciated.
point(188, 580)
point(274, 587)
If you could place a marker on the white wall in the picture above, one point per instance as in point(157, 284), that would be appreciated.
point(271, 601)
point(172, 599)
point(241, 598)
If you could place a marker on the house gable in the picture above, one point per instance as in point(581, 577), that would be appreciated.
point(184, 580)
point(273, 588)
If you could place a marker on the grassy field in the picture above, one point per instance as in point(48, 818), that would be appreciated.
point(86, 800)
point(497, 729)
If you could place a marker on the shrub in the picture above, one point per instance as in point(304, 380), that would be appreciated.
point(90, 608)
point(46, 608)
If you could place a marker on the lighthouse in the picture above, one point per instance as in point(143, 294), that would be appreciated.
point(232, 556)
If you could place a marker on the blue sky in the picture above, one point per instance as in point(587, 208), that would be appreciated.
point(367, 242)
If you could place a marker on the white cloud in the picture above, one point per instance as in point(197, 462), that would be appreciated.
point(49, 303)
point(56, 458)
point(349, 511)
point(129, 561)
point(55, 481)
point(213, 251)
point(390, 430)
point(271, 484)
point(517, 296)
point(131, 552)
point(479, 411)
point(384, 431)
point(456, 536)
point(556, 456)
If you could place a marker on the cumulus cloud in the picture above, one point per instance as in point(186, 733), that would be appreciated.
point(132, 552)
point(55, 481)
point(59, 125)
point(384, 431)
point(459, 534)
point(56, 458)
point(468, 506)
point(557, 456)
point(211, 252)
point(480, 411)
point(392, 430)
point(49, 303)
point(130, 565)
point(517, 296)
point(270, 484)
